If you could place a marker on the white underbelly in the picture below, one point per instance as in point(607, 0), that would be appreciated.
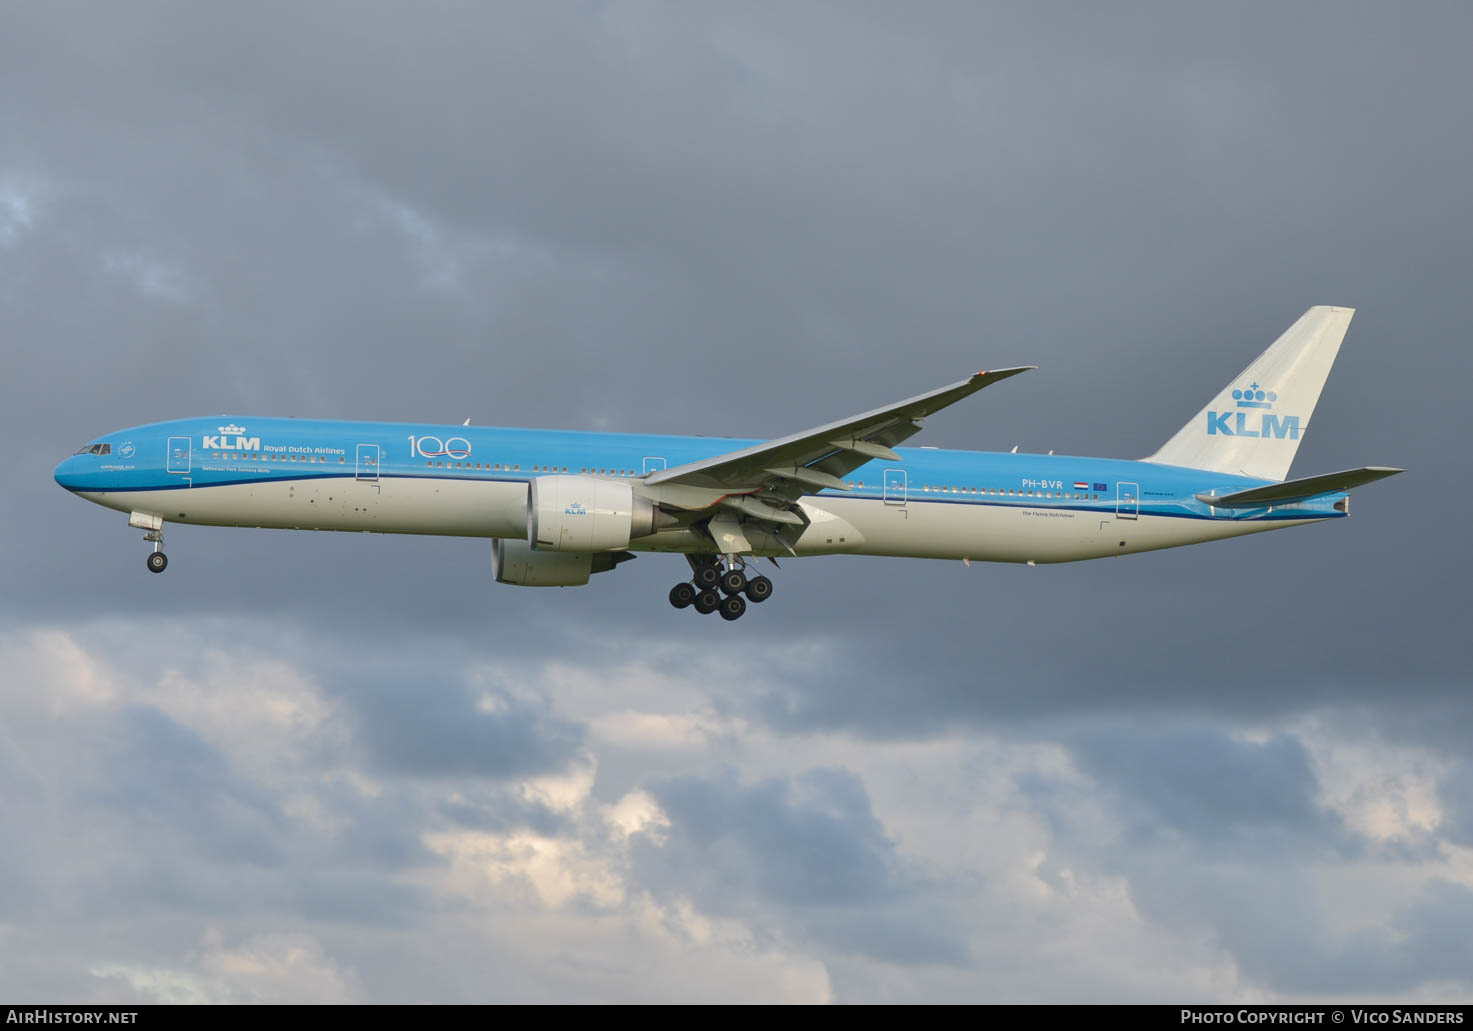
point(1015, 533)
point(456, 508)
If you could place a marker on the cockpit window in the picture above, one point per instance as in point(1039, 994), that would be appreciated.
point(95, 449)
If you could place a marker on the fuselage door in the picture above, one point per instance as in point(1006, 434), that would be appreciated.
point(653, 464)
point(367, 469)
point(1127, 500)
point(178, 461)
point(894, 486)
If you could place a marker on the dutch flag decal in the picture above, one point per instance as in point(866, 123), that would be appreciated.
point(1080, 485)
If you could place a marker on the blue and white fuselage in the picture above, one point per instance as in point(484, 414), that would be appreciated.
point(562, 505)
point(465, 481)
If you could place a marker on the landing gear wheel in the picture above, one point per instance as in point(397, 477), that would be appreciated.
point(759, 589)
point(733, 581)
point(732, 607)
point(707, 602)
point(681, 595)
point(707, 577)
point(157, 562)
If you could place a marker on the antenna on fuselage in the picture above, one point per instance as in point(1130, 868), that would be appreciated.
point(466, 423)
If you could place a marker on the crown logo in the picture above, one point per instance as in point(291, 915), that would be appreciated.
point(232, 428)
point(1254, 396)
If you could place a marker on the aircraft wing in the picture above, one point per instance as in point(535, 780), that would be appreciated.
point(765, 481)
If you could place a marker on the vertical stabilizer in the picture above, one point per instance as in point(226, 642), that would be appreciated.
point(1254, 426)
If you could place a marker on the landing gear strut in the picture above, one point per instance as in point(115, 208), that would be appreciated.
point(719, 584)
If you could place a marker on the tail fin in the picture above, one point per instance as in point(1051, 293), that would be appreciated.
point(1253, 427)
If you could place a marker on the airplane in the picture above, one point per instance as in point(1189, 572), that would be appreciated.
point(562, 505)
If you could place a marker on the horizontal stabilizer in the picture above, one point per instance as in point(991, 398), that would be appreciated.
point(1297, 490)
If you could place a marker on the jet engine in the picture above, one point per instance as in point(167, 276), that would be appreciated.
point(588, 514)
point(514, 562)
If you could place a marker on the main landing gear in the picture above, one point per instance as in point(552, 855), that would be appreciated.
point(719, 586)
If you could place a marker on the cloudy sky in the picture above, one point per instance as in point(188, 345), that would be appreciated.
point(308, 767)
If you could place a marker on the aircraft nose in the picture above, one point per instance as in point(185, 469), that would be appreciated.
point(67, 474)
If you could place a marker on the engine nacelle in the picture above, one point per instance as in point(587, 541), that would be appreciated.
point(515, 562)
point(587, 514)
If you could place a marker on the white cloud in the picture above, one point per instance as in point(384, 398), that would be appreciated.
point(266, 968)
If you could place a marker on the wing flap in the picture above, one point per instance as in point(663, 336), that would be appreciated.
point(867, 448)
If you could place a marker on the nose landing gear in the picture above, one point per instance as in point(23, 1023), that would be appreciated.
point(157, 560)
point(153, 525)
point(720, 585)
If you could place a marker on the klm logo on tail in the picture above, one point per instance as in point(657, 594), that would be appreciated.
point(1269, 425)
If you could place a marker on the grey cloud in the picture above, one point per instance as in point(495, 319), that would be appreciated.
point(1279, 935)
point(421, 725)
point(1219, 839)
point(170, 781)
point(1209, 788)
point(811, 845)
point(1456, 794)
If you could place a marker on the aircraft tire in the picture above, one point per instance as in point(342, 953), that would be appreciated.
point(759, 589)
point(681, 595)
point(732, 607)
point(157, 561)
point(708, 577)
point(707, 602)
point(733, 581)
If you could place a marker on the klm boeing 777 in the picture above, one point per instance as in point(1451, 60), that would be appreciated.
point(561, 505)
